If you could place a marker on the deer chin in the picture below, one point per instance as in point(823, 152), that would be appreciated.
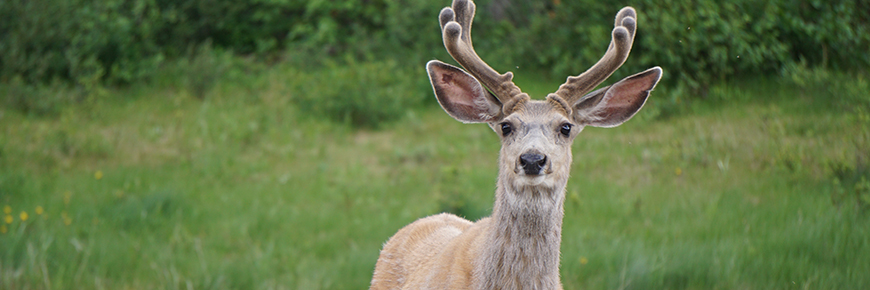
point(533, 180)
point(542, 180)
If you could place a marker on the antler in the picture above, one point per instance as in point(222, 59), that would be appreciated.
point(617, 53)
point(456, 32)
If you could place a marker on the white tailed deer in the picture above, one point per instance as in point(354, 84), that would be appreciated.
point(518, 246)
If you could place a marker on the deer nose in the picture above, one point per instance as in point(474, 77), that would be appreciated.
point(532, 163)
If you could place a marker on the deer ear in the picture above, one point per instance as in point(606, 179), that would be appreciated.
point(461, 95)
point(613, 105)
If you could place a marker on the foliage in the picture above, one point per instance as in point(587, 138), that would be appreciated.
point(828, 33)
point(204, 68)
point(699, 42)
point(125, 40)
point(84, 41)
point(38, 99)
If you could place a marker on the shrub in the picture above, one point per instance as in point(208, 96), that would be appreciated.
point(204, 68)
point(38, 99)
point(78, 40)
point(359, 94)
point(697, 42)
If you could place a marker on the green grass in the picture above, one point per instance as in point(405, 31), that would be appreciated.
point(156, 189)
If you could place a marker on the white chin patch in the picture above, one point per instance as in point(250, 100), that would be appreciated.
point(532, 180)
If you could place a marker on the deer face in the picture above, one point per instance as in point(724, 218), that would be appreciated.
point(536, 135)
point(536, 142)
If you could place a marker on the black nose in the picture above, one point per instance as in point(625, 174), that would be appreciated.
point(532, 163)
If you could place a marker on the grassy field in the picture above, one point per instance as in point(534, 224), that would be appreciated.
point(759, 187)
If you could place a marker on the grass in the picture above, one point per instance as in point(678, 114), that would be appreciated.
point(154, 188)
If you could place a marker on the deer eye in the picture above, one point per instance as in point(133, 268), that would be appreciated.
point(565, 129)
point(506, 128)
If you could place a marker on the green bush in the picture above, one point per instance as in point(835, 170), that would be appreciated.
point(90, 43)
point(78, 40)
point(828, 33)
point(698, 42)
point(38, 99)
point(204, 68)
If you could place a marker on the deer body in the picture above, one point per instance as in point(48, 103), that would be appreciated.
point(518, 246)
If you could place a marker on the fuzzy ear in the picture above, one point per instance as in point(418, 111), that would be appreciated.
point(613, 105)
point(461, 95)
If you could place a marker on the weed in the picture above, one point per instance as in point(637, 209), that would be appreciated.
point(41, 100)
point(359, 94)
point(848, 172)
point(204, 69)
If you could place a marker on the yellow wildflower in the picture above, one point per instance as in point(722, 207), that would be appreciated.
point(8, 219)
point(23, 216)
point(39, 210)
point(678, 171)
point(7, 209)
point(3, 229)
point(66, 197)
point(98, 175)
point(583, 261)
point(66, 220)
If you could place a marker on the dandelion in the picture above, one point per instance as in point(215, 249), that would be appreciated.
point(98, 175)
point(3, 229)
point(39, 210)
point(583, 261)
point(66, 197)
point(8, 219)
point(7, 209)
point(678, 171)
point(23, 216)
point(66, 220)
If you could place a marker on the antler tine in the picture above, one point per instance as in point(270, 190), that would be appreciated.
point(456, 32)
point(620, 46)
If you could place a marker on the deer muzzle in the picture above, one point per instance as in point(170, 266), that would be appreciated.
point(533, 163)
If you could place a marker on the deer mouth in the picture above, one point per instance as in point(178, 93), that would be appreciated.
point(541, 177)
point(534, 179)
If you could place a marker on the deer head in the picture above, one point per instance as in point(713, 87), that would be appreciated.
point(536, 135)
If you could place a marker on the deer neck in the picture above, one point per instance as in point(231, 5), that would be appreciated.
point(522, 245)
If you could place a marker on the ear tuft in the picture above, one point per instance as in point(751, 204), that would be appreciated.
point(611, 106)
point(461, 95)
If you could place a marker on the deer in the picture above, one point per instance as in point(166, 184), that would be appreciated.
point(518, 245)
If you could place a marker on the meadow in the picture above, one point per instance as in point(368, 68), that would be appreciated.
point(762, 185)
